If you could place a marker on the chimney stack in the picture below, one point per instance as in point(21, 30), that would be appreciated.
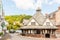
point(47, 15)
point(59, 8)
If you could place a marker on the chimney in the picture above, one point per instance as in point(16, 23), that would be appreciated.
point(59, 8)
point(47, 15)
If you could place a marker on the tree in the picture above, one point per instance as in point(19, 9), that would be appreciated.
point(17, 18)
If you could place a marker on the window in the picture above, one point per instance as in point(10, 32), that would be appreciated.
point(32, 23)
point(47, 23)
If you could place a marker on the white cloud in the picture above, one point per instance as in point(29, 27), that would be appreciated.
point(23, 3)
point(57, 1)
point(26, 4)
point(53, 2)
point(31, 4)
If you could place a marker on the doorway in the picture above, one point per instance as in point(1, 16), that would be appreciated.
point(47, 35)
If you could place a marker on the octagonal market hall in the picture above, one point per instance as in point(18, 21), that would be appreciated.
point(38, 26)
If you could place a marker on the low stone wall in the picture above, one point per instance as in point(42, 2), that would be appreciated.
point(38, 35)
point(33, 35)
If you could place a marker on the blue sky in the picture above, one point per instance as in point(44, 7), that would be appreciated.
point(17, 7)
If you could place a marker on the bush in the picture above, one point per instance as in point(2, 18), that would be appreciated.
point(1, 33)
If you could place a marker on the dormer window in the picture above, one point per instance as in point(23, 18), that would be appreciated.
point(48, 23)
point(32, 23)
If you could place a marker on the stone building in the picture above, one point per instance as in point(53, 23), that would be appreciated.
point(1, 17)
point(2, 20)
point(55, 18)
point(39, 26)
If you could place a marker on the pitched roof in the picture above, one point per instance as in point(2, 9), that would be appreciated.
point(25, 21)
point(31, 19)
point(40, 26)
point(38, 17)
point(51, 15)
point(55, 11)
point(48, 20)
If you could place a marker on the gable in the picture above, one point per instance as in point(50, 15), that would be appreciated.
point(48, 22)
point(33, 21)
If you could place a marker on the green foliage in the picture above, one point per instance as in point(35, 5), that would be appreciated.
point(1, 33)
point(14, 19)
point(9, 27)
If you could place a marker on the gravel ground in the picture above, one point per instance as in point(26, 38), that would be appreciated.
point(19, 37)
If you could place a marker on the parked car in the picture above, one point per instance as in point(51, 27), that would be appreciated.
point(12, 31)
point(18, 31)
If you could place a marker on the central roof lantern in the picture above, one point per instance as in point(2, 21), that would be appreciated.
point(38, 9)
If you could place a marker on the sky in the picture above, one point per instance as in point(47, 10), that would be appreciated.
point(17, 7)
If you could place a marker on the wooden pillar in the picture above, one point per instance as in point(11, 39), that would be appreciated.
point(54, 32)
point(51, 32)
point(27, 31)
point(35, 31)
point(41, 31)
point(22, 31)
point(30, 31)
point(45, 31)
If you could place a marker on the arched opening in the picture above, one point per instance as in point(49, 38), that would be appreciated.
point(47, 35)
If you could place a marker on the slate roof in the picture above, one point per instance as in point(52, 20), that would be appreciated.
point(25, 21)
point(38, 16)
point(51, 15)
point(40, 19)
